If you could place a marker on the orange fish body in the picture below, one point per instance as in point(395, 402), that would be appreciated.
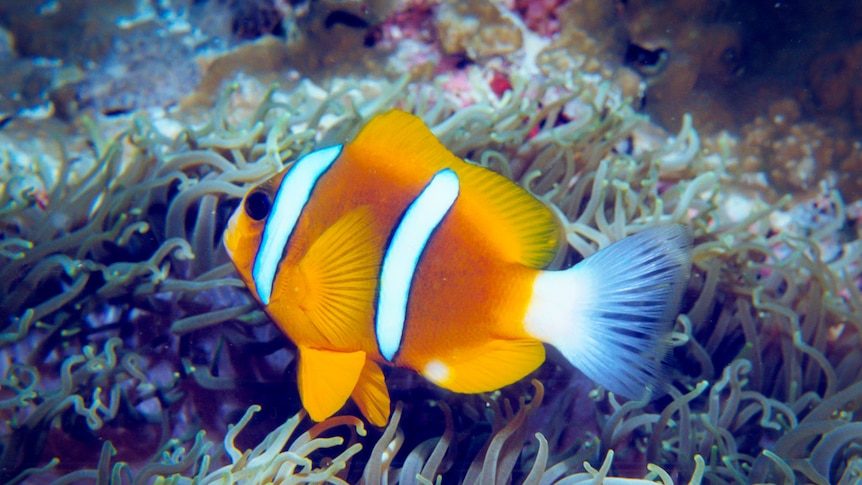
point(391, 250)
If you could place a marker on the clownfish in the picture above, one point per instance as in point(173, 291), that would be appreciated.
point(391, 250)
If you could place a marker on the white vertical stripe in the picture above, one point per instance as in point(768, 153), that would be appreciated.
point(290, 200)
point(401, 258)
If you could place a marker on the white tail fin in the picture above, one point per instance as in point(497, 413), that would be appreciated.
point(611, 314)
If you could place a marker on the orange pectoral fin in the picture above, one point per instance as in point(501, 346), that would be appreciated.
point(371, 394)
point(487, 367)
point(326, 379)
point(339, 277)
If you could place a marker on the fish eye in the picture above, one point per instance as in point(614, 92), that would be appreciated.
point(645, 61)
point(257, 205)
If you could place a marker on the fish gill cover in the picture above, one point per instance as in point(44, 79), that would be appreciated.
point(131, 352)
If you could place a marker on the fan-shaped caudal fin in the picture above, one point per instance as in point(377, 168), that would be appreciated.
point(611, 315)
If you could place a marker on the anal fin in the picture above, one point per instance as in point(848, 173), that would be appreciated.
point(487, 367)
point(371, 394)
point(326, 379)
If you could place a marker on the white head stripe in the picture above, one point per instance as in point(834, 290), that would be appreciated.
point(401, 258)
point(290, 200)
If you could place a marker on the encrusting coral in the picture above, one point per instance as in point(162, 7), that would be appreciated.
point(122, 318)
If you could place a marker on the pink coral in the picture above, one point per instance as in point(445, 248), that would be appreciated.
point(541, 16)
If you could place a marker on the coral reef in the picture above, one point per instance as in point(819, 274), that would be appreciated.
point(128, 348)
point(781, 153)
point(253, 19)
point(139, 72)
point(475, 30)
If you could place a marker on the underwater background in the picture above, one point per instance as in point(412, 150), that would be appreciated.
point(130, 352)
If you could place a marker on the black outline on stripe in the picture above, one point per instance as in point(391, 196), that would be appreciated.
point(301, 213)
point(388, 244)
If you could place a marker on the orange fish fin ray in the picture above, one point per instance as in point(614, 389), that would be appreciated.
point(371, 394)
point(611, 315)
point(487, 367)
point(397, 141)
point(521, 227)
point(326, 379)
point(339, 277)
point(524, 228)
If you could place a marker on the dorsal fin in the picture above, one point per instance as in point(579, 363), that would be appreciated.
point(521, 227)
point(526, 230)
